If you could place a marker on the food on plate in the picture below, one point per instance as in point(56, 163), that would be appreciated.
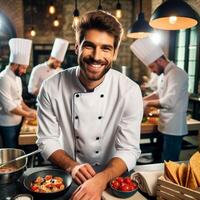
point(187, 175)
point(123, 184)
point(47, 184)
point(8, 169)
point(152, 120)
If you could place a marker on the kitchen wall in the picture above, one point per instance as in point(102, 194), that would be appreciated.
point(23, 16)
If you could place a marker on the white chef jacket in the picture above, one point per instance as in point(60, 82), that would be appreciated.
point(173, 94)
point(39, 74)
point(10, 97)
point(95, 126)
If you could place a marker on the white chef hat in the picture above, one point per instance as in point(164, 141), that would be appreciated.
point(20, 50)
point(59, 49)
point(146, 50)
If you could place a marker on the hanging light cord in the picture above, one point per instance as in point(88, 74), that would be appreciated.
point(140, 6)
point(100, 6)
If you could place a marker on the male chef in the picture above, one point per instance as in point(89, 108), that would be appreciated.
point(171, 96)
point(96, 110)
point(12, 106)
point(49, 68)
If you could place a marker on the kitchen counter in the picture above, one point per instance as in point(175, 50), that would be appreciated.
point(28, 132)
point(8, 191)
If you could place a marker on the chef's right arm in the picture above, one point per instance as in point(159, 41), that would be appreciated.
point(48, 134)
point(11, 105)
point(33, 83)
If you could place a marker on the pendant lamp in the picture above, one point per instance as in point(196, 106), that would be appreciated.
point(76, 15)
point(174, 15)
point(118, 10)
point(141, 27)
point(99, 6)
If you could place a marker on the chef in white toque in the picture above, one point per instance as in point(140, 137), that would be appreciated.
point(171, 97)
point(49, 68)
point(12, 106)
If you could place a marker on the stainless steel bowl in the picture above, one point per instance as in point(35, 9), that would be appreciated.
point(7, 154)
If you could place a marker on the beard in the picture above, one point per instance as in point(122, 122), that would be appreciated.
point(93, 75)
point(17, 72)
point(51, 65)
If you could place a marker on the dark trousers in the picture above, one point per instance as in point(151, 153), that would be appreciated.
point(169, 147)
point(10, 135)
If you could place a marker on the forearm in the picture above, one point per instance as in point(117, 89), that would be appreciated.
point(152, 96)
point(63, 160)
point(25, 107)
point(20, 111)
point(153, 103)
point(116, 167)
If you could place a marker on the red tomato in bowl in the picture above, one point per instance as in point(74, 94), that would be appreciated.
point(124, 188)
point(115, 184)
point(127, 180)
point(119, 179)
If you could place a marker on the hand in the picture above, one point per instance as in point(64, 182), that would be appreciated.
point(83, 172)
point(32, 114)
point(91, 189)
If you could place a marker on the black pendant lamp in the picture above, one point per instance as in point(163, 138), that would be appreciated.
point(174, 15)
point(141, 27)
point(99, 6)
point(76, 15)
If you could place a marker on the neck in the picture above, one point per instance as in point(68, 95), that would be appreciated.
point(89, 85)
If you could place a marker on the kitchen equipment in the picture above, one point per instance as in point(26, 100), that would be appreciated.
point(67, 179)
point(19, 158)
point(7, 154)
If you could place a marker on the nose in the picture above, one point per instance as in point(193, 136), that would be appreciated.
point(97, 54)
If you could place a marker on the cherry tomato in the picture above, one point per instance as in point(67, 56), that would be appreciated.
point(133, 185)
point(48, 177)
point(119, 179)
point(127, 180)
point(115, 184)
point(125, 188)
point(34, 188)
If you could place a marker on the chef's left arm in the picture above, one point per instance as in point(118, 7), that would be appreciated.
point(127, 147)
point(177, 85)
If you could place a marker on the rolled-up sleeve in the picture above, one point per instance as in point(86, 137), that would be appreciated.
point(6, 100)
point(48, 130)
point(33, 82)
point(128, 132)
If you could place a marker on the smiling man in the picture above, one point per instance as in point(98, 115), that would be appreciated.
point(90, 115)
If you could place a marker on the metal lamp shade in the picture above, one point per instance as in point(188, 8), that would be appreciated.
point(184, 16)
point(140, 28)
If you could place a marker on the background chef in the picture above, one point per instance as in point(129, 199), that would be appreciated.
point(171, 96)
point(97, 109)
point(49, 68)
point(12, 106)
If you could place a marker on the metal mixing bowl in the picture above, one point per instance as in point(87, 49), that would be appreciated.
point(7, 154)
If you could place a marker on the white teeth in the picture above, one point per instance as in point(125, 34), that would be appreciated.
point(96, 66)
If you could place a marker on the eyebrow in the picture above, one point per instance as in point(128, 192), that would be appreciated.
point(93, 45)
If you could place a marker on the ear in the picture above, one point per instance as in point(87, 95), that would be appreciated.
point(76, 48)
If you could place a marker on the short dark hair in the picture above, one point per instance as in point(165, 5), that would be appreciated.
point(102, 21)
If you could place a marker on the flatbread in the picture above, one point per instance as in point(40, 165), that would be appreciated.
point(182, 173)
point(192, 183)
point(171, 170)
point(195, 165)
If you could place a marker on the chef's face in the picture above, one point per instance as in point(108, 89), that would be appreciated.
point(156, 67)
point(95, 55)
point(54, 63)
point(20, 70)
